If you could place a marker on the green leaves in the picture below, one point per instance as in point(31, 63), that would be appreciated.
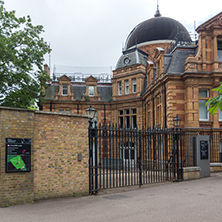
point(22, 51)
point(215, 102)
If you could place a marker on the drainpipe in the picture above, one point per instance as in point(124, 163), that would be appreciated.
point(153, 112)
point(104, 113)
point(165, 110)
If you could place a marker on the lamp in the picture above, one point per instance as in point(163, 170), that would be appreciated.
point(90, 112)
point(176, 121)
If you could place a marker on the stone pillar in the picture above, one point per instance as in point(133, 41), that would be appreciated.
point(215, 48)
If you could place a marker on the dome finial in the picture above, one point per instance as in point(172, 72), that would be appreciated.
point(157, 11)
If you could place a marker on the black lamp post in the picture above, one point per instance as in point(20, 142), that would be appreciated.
point(92, 133)
point(176, 121)
point(90, 112)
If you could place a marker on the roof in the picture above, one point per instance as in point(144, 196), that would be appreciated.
point(105, 92)
point(132, 57)
point(158, 28)
point(175, 62)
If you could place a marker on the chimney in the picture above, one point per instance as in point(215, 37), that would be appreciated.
point(47, 69)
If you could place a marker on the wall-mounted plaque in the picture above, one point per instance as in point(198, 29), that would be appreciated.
point(203, 149)
point(18, 155)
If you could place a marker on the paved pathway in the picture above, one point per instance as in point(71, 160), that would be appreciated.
point(197, 200)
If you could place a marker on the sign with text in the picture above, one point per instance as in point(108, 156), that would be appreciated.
point(18, 155)
point(203, 149)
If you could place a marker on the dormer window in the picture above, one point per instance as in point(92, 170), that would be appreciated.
point(91, 90)
point(64, 90)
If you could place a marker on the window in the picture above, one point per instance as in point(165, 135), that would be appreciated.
point(119, 88)
point(126, 86)
point(127, 118)
point(219, 51)
point(68, 111)
point(203, 97)
point(158, 110)
point(121, 119)
point(133, 119)
point(91, 90)
point(134, 85)
point(154, 72)
point(220, 115)
point(61, 111)
point(64, 90)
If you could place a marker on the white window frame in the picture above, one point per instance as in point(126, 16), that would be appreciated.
point(91, 90)
point(134, 86)
point(119, 88)
point(126, 86)
point(64, 89)
point(205, 107)
point(220, 115)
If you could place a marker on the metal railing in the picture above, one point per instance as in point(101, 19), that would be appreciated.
point(128, 157)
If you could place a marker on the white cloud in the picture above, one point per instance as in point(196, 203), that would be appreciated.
point(91, 33)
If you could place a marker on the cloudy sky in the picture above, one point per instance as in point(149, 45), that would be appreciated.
point(91, 33)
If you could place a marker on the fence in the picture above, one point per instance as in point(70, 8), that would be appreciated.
point(215, 146)
point(126, 157)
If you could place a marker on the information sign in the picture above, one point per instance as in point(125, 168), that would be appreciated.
point(203, 149)
point(18, 155)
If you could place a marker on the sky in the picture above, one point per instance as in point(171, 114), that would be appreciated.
point(92, 33)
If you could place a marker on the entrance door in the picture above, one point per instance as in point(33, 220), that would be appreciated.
point(128, 154)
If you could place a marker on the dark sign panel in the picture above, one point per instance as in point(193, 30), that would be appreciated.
point(18, 155)
point(203, 149)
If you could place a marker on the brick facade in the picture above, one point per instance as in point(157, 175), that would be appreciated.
point(56, 142)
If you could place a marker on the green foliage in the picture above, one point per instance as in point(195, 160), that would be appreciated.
point(215, 102)
point(86, 98)
point(110, 99)
point(22, 51)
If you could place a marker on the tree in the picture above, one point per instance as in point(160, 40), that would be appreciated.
point(22, 50)
point(215, 102)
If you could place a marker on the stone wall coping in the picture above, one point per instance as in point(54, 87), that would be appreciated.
point(216, 164)
point(16, 109)
point(191, 169)
point(60, 114)
point(42, 112)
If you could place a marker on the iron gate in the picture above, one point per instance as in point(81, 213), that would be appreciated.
point(126, 157)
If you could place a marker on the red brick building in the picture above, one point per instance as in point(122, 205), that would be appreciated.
point(160, 74)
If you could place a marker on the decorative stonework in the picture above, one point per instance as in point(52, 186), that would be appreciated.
point(220, 20)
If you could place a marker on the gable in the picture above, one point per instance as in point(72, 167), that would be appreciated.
point(213, 22)
point(91, 79)
point(64, 78)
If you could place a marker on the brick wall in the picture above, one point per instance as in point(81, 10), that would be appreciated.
point(16, 188)
point(56, 141)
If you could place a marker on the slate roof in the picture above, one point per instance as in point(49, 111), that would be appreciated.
point(50, 92)
point(175, 64)
point(135, 56)
point(105, 92)
point(78, 91)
